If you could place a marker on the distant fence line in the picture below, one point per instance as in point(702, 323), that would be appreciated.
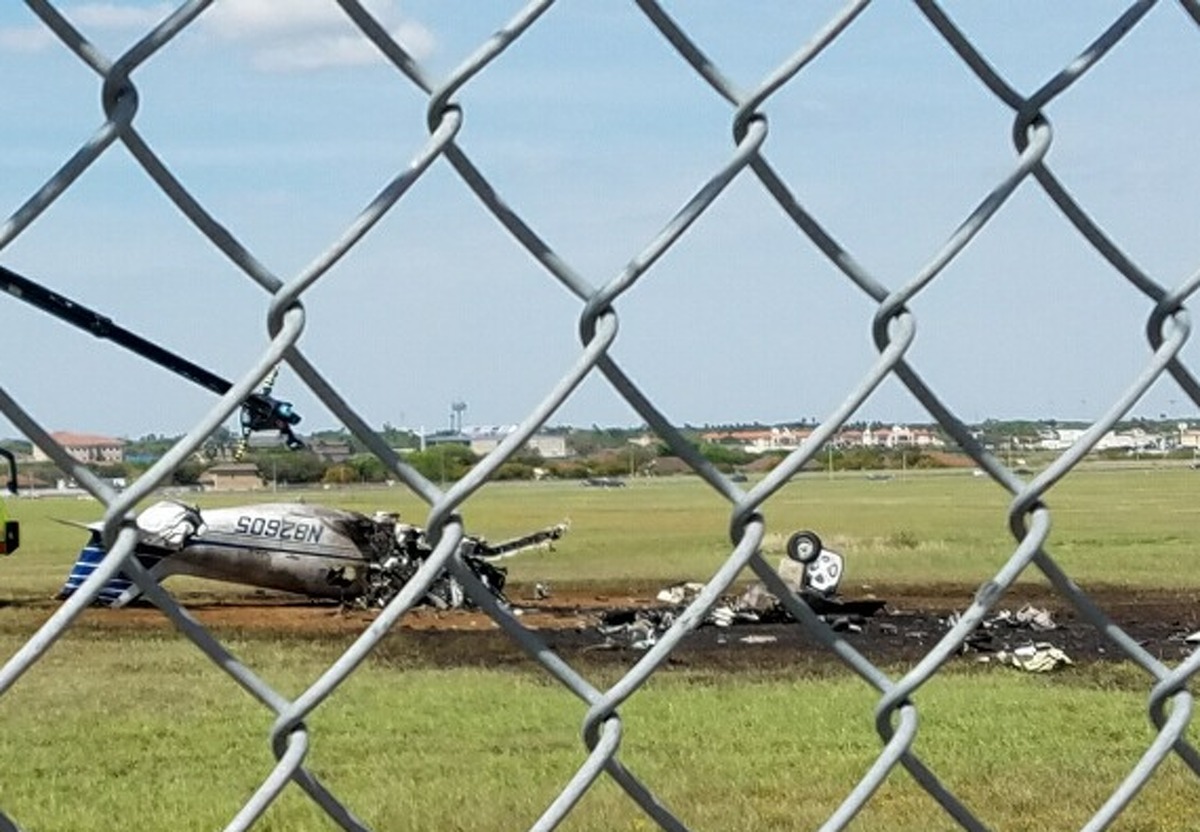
point(893, 332)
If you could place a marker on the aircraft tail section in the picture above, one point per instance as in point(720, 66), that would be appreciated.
point(119, 590)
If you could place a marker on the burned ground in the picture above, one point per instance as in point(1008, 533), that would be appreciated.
point(903, 630)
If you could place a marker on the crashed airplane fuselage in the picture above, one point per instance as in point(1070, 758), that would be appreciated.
point(311, 550)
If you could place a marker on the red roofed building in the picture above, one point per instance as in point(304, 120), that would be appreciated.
point(85, 447)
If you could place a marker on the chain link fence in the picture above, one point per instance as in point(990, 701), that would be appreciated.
point(893, 331)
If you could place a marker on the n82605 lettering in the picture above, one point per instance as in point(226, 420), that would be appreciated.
point(277, 527)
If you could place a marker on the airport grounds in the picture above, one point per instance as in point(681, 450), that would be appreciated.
point(448, 725)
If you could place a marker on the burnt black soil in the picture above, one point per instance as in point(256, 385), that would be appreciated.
point(906, 624)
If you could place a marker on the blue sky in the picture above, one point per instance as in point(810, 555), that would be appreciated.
point(284, 123)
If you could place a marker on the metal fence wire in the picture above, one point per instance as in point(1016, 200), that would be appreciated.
point(893, 328)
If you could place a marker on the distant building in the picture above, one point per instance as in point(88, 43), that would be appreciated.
point(261, 440)
point(232, 476)
point(85, 448)
point(1189, 437)
point(763, 440)
point(330, 450)
point(1131, 441)
point(897, 436)
point(550, 446)
point(760, 440)
point(484, 440)
point(1059, 439)
point(444, 438)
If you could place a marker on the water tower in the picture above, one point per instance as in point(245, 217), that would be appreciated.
point(457, 408)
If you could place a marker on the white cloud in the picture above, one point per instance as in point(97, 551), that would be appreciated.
point(117, 15)
point(309, 34)
point(259, 19)
point(320, 51)
point(297, 35)
point(87, 17)
point(25, 38)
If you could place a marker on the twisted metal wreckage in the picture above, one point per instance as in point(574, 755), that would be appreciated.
point(312, 550)
point(809, 570)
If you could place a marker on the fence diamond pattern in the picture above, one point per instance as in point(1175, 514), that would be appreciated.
point(893, 332)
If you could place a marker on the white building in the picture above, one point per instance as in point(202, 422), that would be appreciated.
point(484, 440)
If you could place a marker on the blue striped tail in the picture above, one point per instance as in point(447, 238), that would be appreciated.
point(89, 560)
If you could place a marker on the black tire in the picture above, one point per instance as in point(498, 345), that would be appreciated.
point(804, 546)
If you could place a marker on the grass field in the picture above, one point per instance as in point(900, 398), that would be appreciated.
point(1124, 526)
point(138, 730)
point(102, 736)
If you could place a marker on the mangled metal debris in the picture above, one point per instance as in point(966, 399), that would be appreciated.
point(638, 629)
point(312, 550)
point(1038, 657)
point(993, 635)
point(680, 594)
point(1036, 619)
point(812, 573)
point(404, 550)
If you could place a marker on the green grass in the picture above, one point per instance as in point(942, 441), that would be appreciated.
point(1133, 526)
point(144, 733)
point(137, 730)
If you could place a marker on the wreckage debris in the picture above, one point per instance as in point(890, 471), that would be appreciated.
point(640, 629)
point(991, 636)
point(756, 639)
point(314, 550)
point(1038, 620)
point(1038, 657)
point(401, 550)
